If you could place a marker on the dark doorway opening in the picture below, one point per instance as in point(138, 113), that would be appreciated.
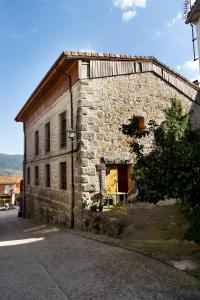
point(122, 179)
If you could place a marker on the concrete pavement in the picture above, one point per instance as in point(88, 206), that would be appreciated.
point(38, 261)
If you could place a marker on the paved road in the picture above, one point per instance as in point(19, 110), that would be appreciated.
point(41, 262)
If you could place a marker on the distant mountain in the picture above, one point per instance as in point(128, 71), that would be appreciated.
point(11, 164)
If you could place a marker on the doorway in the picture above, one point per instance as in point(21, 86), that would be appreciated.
point(118, 178)
point(123, 178)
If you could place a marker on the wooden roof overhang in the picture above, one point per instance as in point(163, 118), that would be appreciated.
point(46, 84)
point(68, 58)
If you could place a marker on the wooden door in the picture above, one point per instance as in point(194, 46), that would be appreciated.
point(112, 179)
point(123, 178)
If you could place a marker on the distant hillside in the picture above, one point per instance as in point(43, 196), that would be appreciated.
point(11, 164)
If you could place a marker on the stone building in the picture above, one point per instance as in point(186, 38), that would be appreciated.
point(8, 183)
point(9, 189)
point(72, 143)
point(193, 18)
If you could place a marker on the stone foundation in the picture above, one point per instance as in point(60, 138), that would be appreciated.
point(101, 224)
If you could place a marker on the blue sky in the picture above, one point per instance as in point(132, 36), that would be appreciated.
point(34, 32)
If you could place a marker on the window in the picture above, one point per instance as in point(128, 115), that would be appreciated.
point(28, 175)
point(63, 127)
point(36, 142)
point(63, 176)
point(85, 70)
point(36, 175)
point(48, 176)
point(47, 137)
point(140, 123)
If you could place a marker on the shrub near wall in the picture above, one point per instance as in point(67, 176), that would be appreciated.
point(172, 168)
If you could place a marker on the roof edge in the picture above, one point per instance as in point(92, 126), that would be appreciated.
point(176, 73)
point(17, 118)
point(73, 55)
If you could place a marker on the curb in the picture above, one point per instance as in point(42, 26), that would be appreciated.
point(117, 243)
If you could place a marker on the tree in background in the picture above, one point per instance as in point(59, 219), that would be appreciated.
point(172, 168)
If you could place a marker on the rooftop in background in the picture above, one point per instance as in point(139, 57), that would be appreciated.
point(194, 13)
point(10, 179)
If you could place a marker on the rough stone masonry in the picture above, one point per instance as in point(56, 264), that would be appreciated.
point(98, 93)
point(110, 102)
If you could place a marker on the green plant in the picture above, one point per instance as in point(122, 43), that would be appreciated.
point(93, 207)
point(194, 225)
point(172, 167)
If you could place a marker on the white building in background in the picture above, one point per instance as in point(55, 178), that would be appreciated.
point(193, 18)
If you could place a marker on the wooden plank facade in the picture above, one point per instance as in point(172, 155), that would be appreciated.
point(107, 68)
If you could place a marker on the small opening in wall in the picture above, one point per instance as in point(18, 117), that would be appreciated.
point(140, 123)
point(85, 71)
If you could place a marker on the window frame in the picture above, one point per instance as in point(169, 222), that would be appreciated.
point(140, 123)
point(47, 137)
point(48, 175)
point(63, 175)
point(36, 142)
point(63, 130)
point(85, 69)
point(28, 176)
point(36, 176)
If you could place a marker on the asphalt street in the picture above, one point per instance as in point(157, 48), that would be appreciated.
point(39, 262)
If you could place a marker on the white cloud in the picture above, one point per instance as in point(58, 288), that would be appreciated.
point(35, 29)
point(128, 7)
point(126, 4)
point(158, 34)
point(190, 69)
point(167, 30)
point(189, 66)
point(16, 36)
point(68, 8)
point(87, 48)
point(177, 18)
point(197, 77)
point(128, 15)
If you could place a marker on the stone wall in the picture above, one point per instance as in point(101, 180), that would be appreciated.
point(101, 106)
point(52, 204)
point(109, 102)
